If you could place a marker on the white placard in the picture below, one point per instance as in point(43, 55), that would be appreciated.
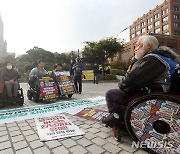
point(54, 127)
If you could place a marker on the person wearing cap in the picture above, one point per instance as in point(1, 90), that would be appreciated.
point(77, 68)
point(9, 76)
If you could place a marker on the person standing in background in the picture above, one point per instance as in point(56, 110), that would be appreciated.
point(96, 73)
point(77, 68)
point(71, 70)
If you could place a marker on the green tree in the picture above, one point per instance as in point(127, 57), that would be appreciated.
point(63, 58)
point(39, 53)
point(103, 49)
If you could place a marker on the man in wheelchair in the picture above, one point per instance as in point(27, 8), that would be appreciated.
point(36, 73)
point(9, 76)
point(151, 69)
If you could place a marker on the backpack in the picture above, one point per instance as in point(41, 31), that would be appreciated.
point(175, 86)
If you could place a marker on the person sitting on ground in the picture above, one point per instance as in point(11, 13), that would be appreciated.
point(37, 72)
point(9, 76)
point(151, 70)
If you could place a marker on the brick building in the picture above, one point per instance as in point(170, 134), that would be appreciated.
point(162, 22)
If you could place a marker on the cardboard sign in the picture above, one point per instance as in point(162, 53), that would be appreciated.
point(48, 89)
point(92, 114)
point(55, 127)
point(89, 74)
point(65, 83)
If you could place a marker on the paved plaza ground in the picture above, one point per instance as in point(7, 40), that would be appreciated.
point(22, 137)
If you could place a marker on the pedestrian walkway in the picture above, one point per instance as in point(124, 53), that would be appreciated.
point(22, 137)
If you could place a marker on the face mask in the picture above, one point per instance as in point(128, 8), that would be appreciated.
point(9, 67)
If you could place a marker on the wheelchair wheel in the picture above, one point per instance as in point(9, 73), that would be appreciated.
point(2, 105)
point(21, 102)
point(35, 97)
point(29, 94)
point(70, 95)
point(154, 120)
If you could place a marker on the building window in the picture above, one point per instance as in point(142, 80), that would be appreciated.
point(157, 30)
point(133, 35)
point(165, 11)
point(138, 32)
point(176, 25)
point(156, 16)
point(143, 23)
point(176, 32)
point(165, 19)
point(138, 26)
point(149, 27)
point(175, 8)
point(149, 20)
point(132, 29)
point(157, 23)
point(175, 16)
point(165, 27)
point(166, 33)
point(143, 30)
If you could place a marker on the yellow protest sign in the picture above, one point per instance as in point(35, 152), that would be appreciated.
point(89, 74)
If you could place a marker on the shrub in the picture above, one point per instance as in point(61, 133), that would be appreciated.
point(108, 77)
point(65, 67)
point(120, 65)
point(118, 72)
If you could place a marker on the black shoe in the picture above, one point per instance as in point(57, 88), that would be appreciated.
point(111, 120)
point(79, 92)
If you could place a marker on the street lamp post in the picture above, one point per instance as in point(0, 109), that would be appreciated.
point(78, 53)
point(72, 55)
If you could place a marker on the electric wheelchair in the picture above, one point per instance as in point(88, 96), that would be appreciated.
point(4, 100)
point(58, 83)
point(42, 88)
point(151, 119)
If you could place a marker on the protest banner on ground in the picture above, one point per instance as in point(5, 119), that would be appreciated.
point(11, 115)
point(65, 83)
point(92, 114)
point(55, 127)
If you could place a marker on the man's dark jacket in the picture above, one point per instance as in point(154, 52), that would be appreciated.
point(147, 72)
point(96, 69)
